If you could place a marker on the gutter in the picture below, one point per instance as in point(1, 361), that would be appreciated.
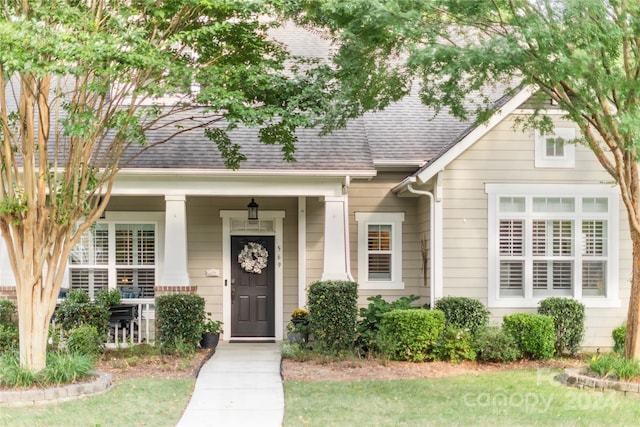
point(432, 233)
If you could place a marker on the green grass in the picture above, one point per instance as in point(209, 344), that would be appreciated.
point(139, 402)
point(516, 398)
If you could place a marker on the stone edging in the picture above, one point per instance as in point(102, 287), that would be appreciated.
point(577, 378)
point(41, 396)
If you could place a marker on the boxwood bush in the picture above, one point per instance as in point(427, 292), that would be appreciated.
point(179, 321)
point(371, 316)
point(411, 334)
point(85, 339)
point(463, 313)
point(568, 322)
point(534, 334)
point(333, 310)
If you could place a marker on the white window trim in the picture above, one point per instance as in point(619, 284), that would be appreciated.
point(395, 219)
point(568, 161)
point(495, 191)
point(112, 217)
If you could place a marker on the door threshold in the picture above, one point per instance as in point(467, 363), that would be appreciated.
point(252, 340)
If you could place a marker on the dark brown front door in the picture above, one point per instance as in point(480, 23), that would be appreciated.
point(252, 286)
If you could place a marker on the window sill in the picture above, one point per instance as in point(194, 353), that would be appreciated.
point(589, 302)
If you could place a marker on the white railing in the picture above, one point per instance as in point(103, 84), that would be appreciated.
point(140, 330)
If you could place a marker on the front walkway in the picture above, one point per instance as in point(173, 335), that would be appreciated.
point(240, 385)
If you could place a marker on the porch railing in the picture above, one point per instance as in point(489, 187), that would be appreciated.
point(141, 329)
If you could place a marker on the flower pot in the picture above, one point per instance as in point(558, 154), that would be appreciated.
point(209, 340)
point(298, 337)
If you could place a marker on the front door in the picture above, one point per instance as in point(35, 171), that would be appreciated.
point(252, 286)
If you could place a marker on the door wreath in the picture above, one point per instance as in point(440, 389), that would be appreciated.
point(253, 257)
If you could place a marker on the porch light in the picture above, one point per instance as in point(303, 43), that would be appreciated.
point(252, 210)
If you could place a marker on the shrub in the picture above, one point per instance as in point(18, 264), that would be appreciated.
point(493, 344)
point(534, 334)
point(463, 313)
point(455, 345)
point(8, 311)
point(613, 366)
point(9, 338)
point(371, 316)
point(108, 298)
point(72, 314)
point(619, 335)
point(78, 296)
point(568, 322)
point(333, 312)
point(410, 334)
point(85, 339)
point(179, 321)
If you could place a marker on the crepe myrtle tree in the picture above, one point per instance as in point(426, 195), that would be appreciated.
point(582, 54)
point(82, 84)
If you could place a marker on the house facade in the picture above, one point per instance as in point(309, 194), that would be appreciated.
point(404, 202)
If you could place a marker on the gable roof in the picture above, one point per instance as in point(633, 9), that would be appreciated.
point(506, 105)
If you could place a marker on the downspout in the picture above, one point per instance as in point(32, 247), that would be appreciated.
point(347, 248)
point(432, 233)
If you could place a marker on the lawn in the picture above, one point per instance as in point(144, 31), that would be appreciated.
point(512, 398)
point(134, 401)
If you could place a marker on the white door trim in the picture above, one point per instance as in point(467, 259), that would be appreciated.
point(277, 217)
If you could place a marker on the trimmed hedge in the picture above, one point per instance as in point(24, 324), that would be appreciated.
point(568, 322)
point(333, 310)
point(411, 334)
point(85, 339)
point(534, 334)
point(463, 313)
point(371, 316)
point(179, 321)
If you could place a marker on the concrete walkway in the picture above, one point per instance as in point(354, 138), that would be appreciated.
point(240, 385)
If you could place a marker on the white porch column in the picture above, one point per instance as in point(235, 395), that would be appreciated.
point(336, 253)
point(175, 242)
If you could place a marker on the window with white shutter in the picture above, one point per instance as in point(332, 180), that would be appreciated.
point(379, 250)
point(116, 255)
point(555, 244)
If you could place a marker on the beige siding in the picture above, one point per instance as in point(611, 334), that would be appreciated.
point(507, 156)
point(376, 196)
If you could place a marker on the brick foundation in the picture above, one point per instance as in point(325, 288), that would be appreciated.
point(8, 292)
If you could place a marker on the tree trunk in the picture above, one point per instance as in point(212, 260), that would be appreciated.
point(33, 324)
point(632, 338)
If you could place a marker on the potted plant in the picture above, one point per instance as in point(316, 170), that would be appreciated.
point(211, 330)
point(298, 328)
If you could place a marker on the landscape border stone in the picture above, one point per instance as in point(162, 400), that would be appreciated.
point(43, 396)
point(578, 378)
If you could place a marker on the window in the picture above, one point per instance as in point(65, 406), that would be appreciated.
point(380, 250)
point(116, 255)
point(555, 150)
point(552, 240)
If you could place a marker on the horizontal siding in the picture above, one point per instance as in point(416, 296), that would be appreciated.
point(375, 196)
point(502, 156)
